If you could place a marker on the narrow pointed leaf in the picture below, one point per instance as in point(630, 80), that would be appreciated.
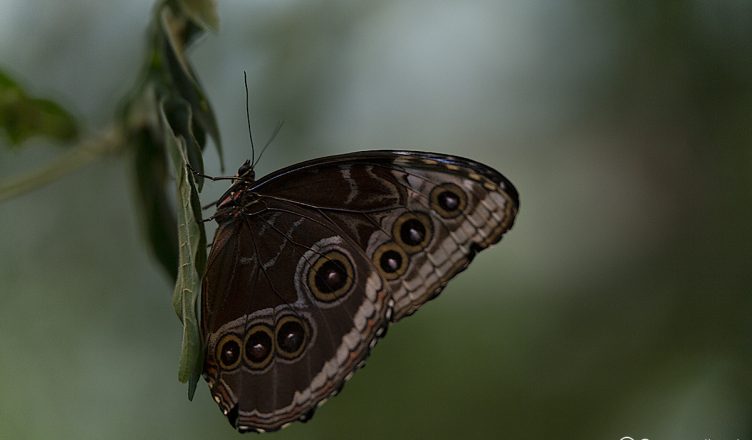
point(192, 253)
point(178, 113)
point(203, 12)
point(158, 214)
point(177, 32)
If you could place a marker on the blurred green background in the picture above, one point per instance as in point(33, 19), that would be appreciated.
point(619, 305)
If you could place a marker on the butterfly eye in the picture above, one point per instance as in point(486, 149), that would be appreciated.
point(391, 260)
point(244, 168)
point(292, 335)
point(331, 276)
point(258, 346)
point(412, 231)
point(448, 200)
point(228, 352)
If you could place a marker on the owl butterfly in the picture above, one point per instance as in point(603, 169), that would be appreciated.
point(309, 265)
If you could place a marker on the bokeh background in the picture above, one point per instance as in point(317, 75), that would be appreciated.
point(619, 305)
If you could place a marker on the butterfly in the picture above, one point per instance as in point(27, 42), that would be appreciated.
point(311, 264)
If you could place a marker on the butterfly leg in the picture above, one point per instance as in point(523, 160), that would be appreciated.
point(206, 176)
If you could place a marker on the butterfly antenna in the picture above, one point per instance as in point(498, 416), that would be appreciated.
point(271, 139)
point(248, 117)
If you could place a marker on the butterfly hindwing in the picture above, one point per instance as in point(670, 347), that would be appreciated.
point(300, 309)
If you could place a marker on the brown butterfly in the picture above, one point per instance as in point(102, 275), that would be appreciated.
point(310, 265)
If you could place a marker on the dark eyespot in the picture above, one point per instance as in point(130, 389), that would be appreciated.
point(390, 261)
point(449, 201)
point(290, 336)
point(258, 346)
point(228, 351)
point(331, 276)
point(412, 232)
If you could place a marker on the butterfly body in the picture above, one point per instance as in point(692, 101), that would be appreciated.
point(310, 264)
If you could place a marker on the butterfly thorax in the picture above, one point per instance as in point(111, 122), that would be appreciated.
point(240, 198)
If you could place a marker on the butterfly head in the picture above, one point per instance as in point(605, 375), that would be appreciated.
point(246, 172)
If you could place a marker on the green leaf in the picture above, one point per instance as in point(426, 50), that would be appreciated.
point(191, 254)
point(23, 116)
point(179, 114)
point(177, 32)
point(150, 163)
point(203, 12)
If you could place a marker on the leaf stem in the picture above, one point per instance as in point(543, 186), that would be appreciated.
point(109, 141)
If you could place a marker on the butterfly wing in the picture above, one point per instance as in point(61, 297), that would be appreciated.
point(430, 212)
point(289, 318)
point(304, 279)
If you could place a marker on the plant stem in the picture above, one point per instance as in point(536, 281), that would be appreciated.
point(110, 141)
